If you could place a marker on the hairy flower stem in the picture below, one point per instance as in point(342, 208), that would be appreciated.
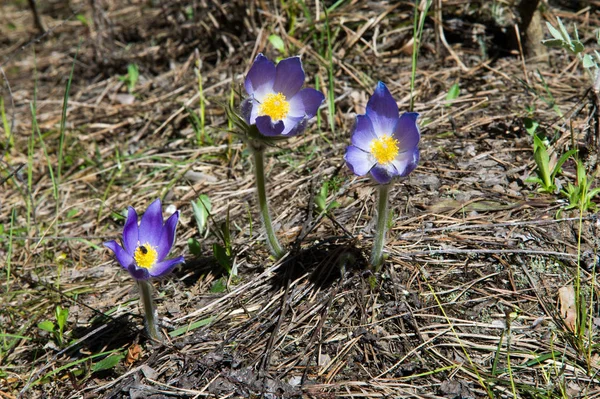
point(150, 315)
point(382, 222)
point(259, 172)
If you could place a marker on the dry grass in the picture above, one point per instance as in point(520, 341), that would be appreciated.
point(467, 303)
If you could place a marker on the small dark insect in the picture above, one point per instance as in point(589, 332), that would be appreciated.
point(143, 249)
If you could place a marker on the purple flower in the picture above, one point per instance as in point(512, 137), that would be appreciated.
point(276, 102)
point(383, 143)
point(146, 246)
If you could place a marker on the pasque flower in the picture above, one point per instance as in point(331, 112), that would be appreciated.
point(384, 143)
point(277, 104)
point(145, 246)
point(277, 107)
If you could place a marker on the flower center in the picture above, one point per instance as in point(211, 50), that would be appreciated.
point(275, 105)
point(384, 149)
point(145, 256)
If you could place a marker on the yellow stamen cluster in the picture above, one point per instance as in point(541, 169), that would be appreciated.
point(274, 105)
point(145, 256)
point(384, 149)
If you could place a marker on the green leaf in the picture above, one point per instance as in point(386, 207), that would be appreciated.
point(561, 161)
point(554, 32)
point(588, 61)
point(223, 259)
point(219, 286)
point(563, 31)
point(201, 209)
point(531, 125)
point(542, 160)
point(61, 317)
point(46, 325)
point(593, 193)
point(194, 247)
point(107, 363)
point(72, 213)
point(453, 94)
point(534, 180)
point(82, 19)
point(333, 205)
point(577, 46)
point(277, 42)
point(555, 43)
point(324, 192)
point(320, 203)
point(132, 76)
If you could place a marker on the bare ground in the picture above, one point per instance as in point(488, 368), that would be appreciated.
point(467, 304)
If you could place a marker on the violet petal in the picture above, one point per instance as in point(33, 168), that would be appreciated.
point(306, 102)
point(246, 109)
point(162, 268)
point(167, 237)
point(289, 77)
point(266, 127)
point(138, 273)
point(406, 131)
point(359, 161)
point(382, 110)
point(130, 231)
point(260, 77)
point(294, 125)
point(363, 134)
point(381, 174)
point(124, 259)
point(406, 162)
point(151, 224)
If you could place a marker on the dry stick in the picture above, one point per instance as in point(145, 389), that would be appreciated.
point(522, 54)
point(269, 348)
point(37, 19)
point(443, 38)
point(486, 251)
point(505, 224)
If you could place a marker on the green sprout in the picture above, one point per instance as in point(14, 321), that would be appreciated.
point(56, 329)
point(133, 74)
point(580, 196)
point(547, 168)
point(561, 38)
point(321, 200)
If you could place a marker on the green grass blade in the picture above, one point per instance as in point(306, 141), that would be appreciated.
point(418, 23)
point(7, 132)
point(331, 89)
point(13, 216)
point(190, 327)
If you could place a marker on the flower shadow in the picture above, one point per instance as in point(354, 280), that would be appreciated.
point(325, 262)
point(195, 268)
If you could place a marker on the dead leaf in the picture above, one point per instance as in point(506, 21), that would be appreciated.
point(125, 99)
point(568, 311)
point(134, 352)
